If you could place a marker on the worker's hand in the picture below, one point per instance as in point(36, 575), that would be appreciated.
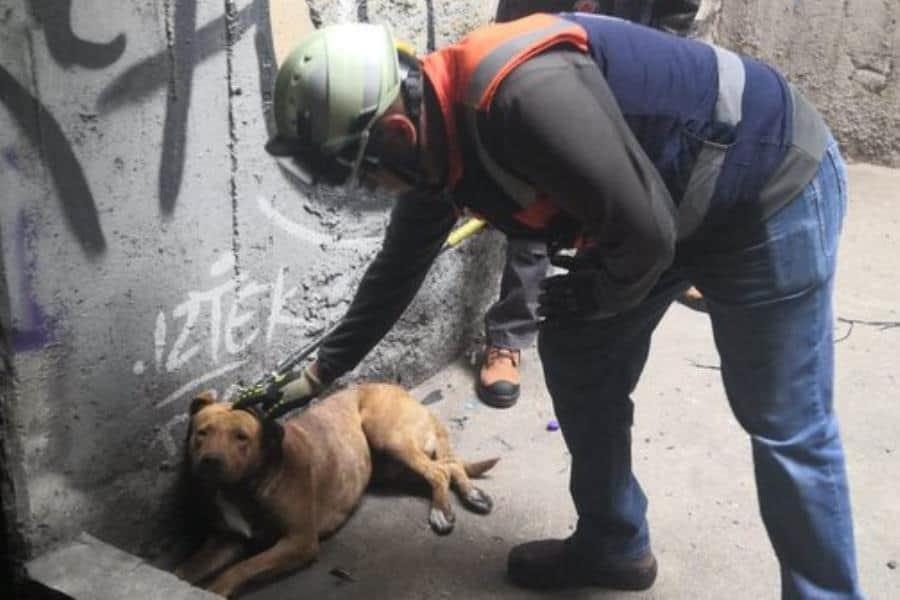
point(269, 397)
point(297, 393)
point(263, 394)
point(571, 295)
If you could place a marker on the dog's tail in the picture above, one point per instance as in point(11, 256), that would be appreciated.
point(477, 469)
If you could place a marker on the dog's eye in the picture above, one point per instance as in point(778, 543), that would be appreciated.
point(200, 433)
point(241, 436)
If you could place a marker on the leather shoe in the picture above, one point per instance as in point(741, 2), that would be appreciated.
point(554, 564)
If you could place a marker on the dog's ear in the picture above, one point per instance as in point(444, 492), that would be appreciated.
point(272, 436)
point(201, 400)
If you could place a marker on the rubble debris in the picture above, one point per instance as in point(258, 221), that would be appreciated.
point(341, 574)
point(432, 397)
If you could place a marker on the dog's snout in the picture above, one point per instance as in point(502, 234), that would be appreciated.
point(211, 466)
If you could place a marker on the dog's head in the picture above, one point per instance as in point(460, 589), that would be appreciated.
point(228, 446)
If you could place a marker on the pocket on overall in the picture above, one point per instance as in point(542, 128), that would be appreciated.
point(796, 234)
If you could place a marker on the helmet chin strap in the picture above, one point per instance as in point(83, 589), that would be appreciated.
point(411, 84)
point(407, 165)
point(356, 167)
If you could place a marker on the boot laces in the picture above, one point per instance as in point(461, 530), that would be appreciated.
point(495, 353)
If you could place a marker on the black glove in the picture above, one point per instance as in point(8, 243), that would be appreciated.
point(572, 295)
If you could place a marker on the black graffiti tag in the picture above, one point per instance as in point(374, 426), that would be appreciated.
point(44, 132)
point(55, 16)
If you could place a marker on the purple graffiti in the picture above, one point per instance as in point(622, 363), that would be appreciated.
point(34, 329)
point(11, 158)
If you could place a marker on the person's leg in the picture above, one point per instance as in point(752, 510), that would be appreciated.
point(511, 323)
point(591, 368)
point(771, 309)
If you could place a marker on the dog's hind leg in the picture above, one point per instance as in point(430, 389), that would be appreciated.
point(472, 497)
point(406, 451)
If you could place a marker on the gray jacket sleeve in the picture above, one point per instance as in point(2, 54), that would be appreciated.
point(555, 123)
point(416, 232)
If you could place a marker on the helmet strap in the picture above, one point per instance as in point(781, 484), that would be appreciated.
point(406, 164)
point(411, 85)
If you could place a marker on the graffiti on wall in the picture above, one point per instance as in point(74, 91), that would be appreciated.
point(35, 329)
point(231, 324)
point(219, 323)
point(229, 327)
point(55, 17)
point(187, 46)
point(43, 131)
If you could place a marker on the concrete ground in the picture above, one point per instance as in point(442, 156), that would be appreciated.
point(690, 455)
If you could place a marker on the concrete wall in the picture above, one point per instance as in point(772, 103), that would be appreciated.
point(844, 55)
point(151, 247)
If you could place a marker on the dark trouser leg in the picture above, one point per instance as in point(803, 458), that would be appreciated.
point(511, 322)
point(591, 368)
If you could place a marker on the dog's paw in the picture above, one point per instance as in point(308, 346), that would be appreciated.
point(477, 501)
point(222, 587)
point(441, 521)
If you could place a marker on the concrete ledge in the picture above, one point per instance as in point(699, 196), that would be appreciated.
point(89, 569)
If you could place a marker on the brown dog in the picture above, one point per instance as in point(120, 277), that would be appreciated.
point(282, 488)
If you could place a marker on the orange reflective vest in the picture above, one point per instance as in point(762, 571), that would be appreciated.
point(466, 75)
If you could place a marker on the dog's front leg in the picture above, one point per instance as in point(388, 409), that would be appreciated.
point(289, 553)
point(216, 553)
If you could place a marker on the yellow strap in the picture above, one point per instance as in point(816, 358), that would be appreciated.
point(405, 46)
point(471, 226)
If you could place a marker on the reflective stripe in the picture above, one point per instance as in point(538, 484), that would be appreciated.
point(700, 188)
point(498, 58)
point(708, 165)
point(704, 176)
point(732, 79)
point(810, 139)
point(810, 133)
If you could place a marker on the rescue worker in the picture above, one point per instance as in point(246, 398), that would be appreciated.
point(661, 159)
point(510, 324)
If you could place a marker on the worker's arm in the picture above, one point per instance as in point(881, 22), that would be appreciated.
point(418, 227)
point(555, 122)
point(674, 16)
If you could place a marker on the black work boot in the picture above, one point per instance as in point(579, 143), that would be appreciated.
point(554, 564)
